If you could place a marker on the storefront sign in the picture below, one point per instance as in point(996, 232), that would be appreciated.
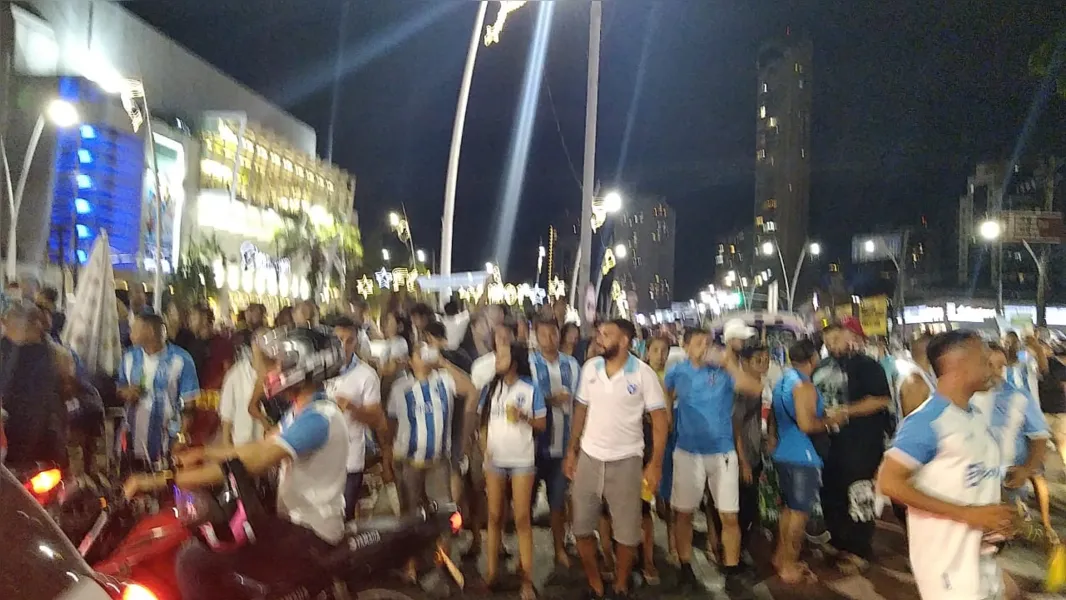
point(873, 314)
point(968, 314)
point(923, 314)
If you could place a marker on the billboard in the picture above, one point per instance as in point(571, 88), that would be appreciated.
point(1035, 227)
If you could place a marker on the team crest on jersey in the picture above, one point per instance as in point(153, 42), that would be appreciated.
point(631, 388)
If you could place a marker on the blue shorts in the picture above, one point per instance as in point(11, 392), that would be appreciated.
point(509, 472)
point(550, 471)
point(799, 485)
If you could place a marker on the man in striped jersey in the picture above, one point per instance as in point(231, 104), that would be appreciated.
point(420, 410)
point(556, 375)
point(1024, 365)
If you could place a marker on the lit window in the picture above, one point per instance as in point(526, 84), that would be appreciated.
point(761, 154)
point(732, 249)
point(721, 248)
point(771, 204)
point(83, 231)
point(84, 156)
point(758, 221)
point(799, 68)
point(773, 121)
point(762, 112)
point(719, 259)
point(81, 206)
point(84, 181)
point(801, 84)
point(771, 226)
point(803, 153)
point(87, 132)
point(765, 88)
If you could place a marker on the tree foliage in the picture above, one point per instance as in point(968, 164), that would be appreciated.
point(1041, 61)
point(328, 251)
point(194, 279)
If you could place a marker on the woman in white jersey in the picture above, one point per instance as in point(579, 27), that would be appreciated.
point(512, 412)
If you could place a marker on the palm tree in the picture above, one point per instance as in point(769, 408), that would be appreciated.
point(325, 249)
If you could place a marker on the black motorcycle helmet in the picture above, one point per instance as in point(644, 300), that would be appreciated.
point(300, 355)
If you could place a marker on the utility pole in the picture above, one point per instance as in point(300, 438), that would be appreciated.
point(589, 172)
point(1045, 251)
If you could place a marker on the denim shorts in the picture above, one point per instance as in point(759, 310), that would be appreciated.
point(799, 485)
point(550, 471)
point(509, 472)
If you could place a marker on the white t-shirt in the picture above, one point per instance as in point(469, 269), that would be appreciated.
point(360, 386)
point(311, 485)
point(511, 445)
point(237, 389)
point(483, 370)
point(954, 457)
point(455, 326)
point(615, 408)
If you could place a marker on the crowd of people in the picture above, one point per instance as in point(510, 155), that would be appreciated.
point(483, 407)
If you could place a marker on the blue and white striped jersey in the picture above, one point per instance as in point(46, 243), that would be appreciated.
point(1013, 418)
point(552, 378)
point(953, 456)
point(1024, 375)
point(423, 411)
point(167, 380)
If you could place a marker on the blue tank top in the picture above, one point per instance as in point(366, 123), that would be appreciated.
point(793, 446)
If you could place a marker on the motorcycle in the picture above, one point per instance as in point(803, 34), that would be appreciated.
point(139, 540)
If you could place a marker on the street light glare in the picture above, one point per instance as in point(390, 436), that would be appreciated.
point(767, 248)
point(612, 202)
point(488, 267)
point(394, 219)
point(62, 113)
point(869, 246)
point(815, 249)
point(542, 252)
point(385, 254)
point(620, 251)
point(990, 230)
point(421, 256)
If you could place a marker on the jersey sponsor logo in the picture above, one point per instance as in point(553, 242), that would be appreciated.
point(978, 472)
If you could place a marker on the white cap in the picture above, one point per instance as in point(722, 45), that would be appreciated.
point(737, 329)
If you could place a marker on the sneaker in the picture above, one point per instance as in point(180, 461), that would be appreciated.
point(687, 579)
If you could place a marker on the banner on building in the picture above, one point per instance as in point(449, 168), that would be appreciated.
point(873, 314)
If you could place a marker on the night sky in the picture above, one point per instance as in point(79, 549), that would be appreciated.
point(908, 95)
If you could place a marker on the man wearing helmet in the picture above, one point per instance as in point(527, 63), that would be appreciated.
point(311, 446)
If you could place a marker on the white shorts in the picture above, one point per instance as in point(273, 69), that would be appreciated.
point(720, 473)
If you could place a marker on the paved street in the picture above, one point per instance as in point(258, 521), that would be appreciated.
point(888, 579)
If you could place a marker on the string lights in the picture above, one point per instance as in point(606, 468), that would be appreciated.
point(492, 32)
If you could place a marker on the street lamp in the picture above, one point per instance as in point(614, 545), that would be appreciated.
point(811, 249)
point(62, 114)
point(869, 246)
point(421, 256)
point(620, 251)
point(395, 220)
point(612, 202)
point(990, 230)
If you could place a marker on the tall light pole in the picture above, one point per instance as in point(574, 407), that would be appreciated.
point(62, 114)
point(448, 219)
point(811, 249)
point(589, 175)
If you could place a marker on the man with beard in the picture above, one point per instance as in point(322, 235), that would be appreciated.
point(855, 383)
point(606, 451)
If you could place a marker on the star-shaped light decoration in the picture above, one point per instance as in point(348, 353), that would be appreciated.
point(364, 286)
point(384, 279)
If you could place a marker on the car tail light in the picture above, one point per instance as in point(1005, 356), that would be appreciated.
point(138, 592)
point(45, 481)
point(456, 521)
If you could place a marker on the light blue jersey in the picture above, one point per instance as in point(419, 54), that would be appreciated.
point(168, 380)
point(953, 456)
point(1013, 418)
point(423, 412)
point(552, 378)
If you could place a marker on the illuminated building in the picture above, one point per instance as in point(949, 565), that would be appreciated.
point(647, 227)
point(782, 151)
point(95, 176)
